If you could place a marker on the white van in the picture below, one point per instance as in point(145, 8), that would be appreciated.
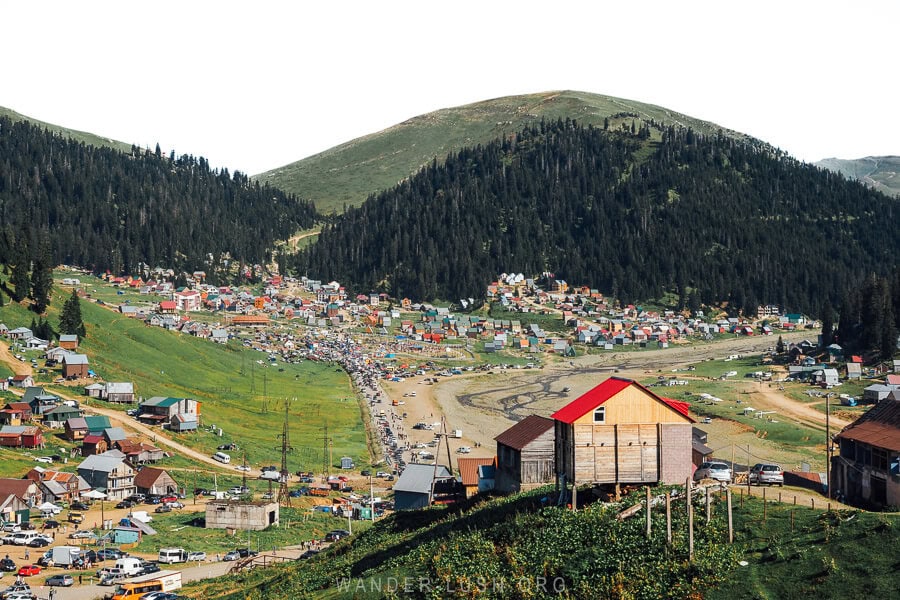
point(130, 565)
point(222, 457)
point(21, 538)
point(172, 555)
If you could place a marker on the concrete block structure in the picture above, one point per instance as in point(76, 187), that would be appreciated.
point(240, 515)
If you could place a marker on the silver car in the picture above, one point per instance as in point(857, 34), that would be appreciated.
point(713, 470)
point(767, 473)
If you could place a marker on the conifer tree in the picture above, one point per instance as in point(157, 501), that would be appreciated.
point(70, 321)
point(41, 280)
point(20, 280)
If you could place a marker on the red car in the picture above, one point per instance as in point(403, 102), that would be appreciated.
point(28, 570)
point(169, 499)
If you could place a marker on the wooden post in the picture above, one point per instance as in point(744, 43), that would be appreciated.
point(765, 506)
point(574, 496)
point(708, 515)
point(668, 518)
point(779, 497)
point(730, 522)
point(792, 521)
point(647, 488)
point(795, 500)
point(812, 503)
point(690, 516)
point(829, 507)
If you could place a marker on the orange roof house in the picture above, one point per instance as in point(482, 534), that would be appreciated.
point(621, 432)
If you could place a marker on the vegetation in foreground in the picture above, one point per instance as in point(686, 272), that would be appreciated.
point(521, 547)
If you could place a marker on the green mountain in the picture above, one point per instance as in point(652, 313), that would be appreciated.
point(347, 174)
point(881, 173)
point(73, 134)
point(633, 213)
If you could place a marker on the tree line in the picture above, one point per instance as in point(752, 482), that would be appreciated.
point(709, 218)
point(65, 202)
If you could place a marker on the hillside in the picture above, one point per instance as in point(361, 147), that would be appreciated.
point(633, 213)
point(73, 134)
point(523, 546)
point(881, 173)
point(347, 174)
point(101, 208)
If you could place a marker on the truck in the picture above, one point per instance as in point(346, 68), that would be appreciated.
point(134, 588)
point(318, 492)
point(63, 556)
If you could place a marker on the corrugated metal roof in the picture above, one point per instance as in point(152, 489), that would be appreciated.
point(879, 426)
point(525, 431)
point(418, 478)
point(468, 468)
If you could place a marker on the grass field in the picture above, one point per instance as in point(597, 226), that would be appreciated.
point(244, 398)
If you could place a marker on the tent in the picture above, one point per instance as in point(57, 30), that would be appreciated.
point(48, 509)
point(94, 495)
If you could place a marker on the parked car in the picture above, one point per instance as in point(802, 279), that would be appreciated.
point(60, 580)
point(7, 564)
point(192, 556)
point(44, 459)
point(40, 542)
point(233, 555)
point(336, 534)
point(713, 470)
point(110, 554)
point(125, 504)
point(160, 596)
point(245, 552)
point(309, 554)
point(148, 568)
point(169, 498)
point(269, 468)
point(163, 508)
point(154, 499)
point(17, 591)
point(365, 473)
point(29, 570)
point(767, 473)
point(82, 535)
point(175, 504)
point(77, 505)
point(243, 467)
point(10, 527)
point(137, 498)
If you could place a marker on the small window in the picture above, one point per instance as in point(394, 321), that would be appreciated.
point(600, 415)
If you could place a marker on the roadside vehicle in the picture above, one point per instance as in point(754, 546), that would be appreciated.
point(19, 596)
point(233, 555)
point(83, 534)
point(172, 555)
point(41, 541)
point(17, 591)
point(245, 552)
point(192, 556)
point(222, 457)
point(163, 508)
point(167, 499)
point(29, 570)
point(713, 470)
point(309, 554)
point(238, 490)
point(7, 564)
point(130, 565)
point(125, 504)
point(75, 517)
point(61, 580)
point(176, 504)
point(112, 577)
point(767, 473)
point(149, 568)
point(21, 538)
point(77, 505)
point(10, 527)
point(110, 554)
point(336, 534)
point(51, 524)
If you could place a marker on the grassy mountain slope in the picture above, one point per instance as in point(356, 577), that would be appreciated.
point(502, 548)
point(347, 174)
point(79, 136)
point(878, 172)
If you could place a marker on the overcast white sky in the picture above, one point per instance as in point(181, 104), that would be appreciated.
point(254, 85)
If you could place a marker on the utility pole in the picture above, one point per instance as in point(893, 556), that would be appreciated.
point(828, 442)
point(284, 497)
point(748, 469)
point(326, 451)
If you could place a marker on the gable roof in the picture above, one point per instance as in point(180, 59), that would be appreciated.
point(147, 476)
point(879, 426)
point(97, 422)
point(75, 359)
point(524, 432)
point(468, 467)
point(606, 390)
point(418, 478)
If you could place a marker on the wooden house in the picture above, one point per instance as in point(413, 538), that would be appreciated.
point(525, 455)
point(22, 381)
point(68, 341)
point(468, 473)
point(74, 366)
point(865, 469)
point(621, 432)
point(151, 480)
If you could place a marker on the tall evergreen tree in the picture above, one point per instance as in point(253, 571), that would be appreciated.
point(20, 280)
point(827, 324)
point(41, 279)
point(70, 321)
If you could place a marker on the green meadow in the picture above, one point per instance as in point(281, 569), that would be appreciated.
point(239, 389)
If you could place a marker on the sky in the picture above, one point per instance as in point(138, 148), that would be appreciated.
point(252, 86)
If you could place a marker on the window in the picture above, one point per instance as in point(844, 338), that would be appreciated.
point(600, 415)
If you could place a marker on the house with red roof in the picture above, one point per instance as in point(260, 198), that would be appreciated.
point(620, 432)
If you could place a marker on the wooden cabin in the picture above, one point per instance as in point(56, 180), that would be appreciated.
point(525, 455)
point(622, 433)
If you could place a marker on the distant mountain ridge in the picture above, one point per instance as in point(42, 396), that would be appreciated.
point(79, 136)
point(347, 174)
point(878, 172)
